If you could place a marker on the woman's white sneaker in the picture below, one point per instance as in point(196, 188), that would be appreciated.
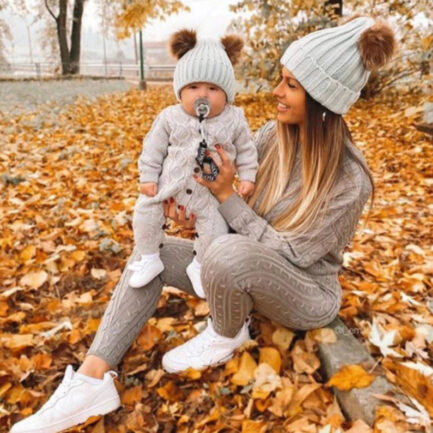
point(193, 271)
point(72, 403)
point(205, 349)
point(145, 269)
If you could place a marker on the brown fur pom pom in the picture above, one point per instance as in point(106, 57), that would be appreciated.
point(181, 42)
point(233, 45)
point(377, 45)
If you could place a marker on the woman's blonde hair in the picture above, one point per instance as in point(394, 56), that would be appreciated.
point(321, 159)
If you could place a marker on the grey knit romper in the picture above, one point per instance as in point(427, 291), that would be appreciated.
point(168, 158)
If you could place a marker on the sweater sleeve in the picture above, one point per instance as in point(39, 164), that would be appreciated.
point(336, 228)
point(246, 151)
point(154, 151)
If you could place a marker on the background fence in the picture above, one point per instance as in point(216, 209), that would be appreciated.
point(126, 70)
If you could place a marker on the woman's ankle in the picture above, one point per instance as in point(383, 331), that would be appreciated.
point(93, 366)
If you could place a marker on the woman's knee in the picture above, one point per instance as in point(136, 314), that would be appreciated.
point(224, 252)
point(224, 261)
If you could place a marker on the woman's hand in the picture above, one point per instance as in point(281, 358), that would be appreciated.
point(222, 186)
point(179, 216)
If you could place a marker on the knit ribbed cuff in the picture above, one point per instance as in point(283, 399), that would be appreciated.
point(248, 174)
point(232, 207)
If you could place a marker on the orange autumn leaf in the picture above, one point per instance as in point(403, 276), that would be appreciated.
point(250, 426)
point(351, 376)
point(149, 336)
point(245, 373)
point(271, 356)
point(20, 341)
point(4, 307)
point(412, 381)
point(28, 253)
point(170, 392)
point(42, 361)
point(34, 279)
point(131, 396)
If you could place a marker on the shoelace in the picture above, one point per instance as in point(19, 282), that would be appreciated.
point(202, 341)
point(60, 392)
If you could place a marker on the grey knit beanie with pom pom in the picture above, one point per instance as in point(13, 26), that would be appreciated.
point(334, 64)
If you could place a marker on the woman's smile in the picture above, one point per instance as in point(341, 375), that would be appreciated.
point(282, 107)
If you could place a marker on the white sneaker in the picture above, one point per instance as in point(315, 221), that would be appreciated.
point(193, 271)
point(73, 402)
point(145, 269)
point(205, 349)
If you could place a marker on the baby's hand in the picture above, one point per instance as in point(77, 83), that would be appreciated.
point(149, 188)
point(246, 188)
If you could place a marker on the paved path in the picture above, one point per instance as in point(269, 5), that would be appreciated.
point(20, 96)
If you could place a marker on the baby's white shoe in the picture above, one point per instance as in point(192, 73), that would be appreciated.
point(193, 271)
point(75, 400)
point(145, 269)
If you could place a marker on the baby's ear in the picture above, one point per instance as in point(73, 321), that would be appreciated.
point(233, 45)
point(181, 42)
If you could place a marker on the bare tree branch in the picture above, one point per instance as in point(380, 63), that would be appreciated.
point(50, 11)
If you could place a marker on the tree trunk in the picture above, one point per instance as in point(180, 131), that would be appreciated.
point(76, 36)
point(62, 36)
point(70, 59)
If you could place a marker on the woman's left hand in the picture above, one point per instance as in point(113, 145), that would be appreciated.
point(222, 186)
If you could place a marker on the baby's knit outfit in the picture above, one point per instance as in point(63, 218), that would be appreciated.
point(168, 158)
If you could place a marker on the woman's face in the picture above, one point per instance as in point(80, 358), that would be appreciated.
point(291, 99)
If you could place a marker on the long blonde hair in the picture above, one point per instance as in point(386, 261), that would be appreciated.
point(321, 158)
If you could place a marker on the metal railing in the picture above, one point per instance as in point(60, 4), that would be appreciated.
point(49, 69)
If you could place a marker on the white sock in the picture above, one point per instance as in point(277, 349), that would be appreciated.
point(88, 379)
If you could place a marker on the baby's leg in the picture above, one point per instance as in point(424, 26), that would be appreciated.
point(147, 222)
point(149, 235)
point(209, 225)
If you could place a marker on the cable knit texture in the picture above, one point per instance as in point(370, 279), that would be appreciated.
point(168, 158)
point(292, 281)
point(206, 62)
point(328, 64)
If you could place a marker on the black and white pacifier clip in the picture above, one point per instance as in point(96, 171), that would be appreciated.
point(202, 108)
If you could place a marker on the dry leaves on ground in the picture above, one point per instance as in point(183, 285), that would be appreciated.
point(68, 189)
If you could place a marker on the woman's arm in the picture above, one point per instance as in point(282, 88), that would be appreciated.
point(335, 230)
point(336, 226)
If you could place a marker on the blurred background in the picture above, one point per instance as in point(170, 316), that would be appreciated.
point(127, 38)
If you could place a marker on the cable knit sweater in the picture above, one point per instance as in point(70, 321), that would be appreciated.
point(170, 147)
point(319, 251)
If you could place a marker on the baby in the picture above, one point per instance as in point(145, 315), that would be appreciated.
point(177, 146)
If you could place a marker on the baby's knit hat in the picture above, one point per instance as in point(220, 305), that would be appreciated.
point(334, 64)
point(205, 60)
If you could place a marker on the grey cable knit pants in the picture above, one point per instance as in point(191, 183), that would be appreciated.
point(238, 274)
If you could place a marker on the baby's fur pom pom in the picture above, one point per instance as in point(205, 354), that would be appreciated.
point(377, 45)
point(181, 42)
point(233, 45)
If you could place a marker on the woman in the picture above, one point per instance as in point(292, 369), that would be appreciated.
point(283, 262)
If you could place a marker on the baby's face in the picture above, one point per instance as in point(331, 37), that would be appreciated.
point(214, 94)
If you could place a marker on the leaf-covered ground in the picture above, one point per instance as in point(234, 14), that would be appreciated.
point(67, 190)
